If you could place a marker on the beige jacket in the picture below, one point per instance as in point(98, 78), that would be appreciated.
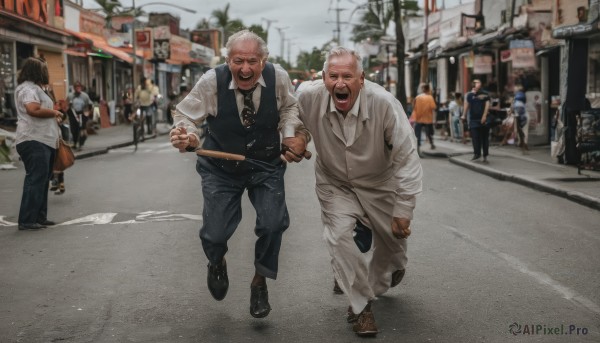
point(382, 162)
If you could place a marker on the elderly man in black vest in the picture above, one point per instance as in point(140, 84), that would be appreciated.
point(242, 107)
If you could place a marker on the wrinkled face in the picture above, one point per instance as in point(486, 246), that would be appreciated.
point(343, 81)
point(245, 63)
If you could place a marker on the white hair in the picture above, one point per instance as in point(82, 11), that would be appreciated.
point(341, 51)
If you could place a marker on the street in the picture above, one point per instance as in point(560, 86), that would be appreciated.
point(489, 261)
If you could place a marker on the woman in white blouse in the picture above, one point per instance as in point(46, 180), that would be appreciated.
point(36, 141)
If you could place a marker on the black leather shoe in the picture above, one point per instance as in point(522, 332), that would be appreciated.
point(397, 276)
point(259, 301)
point(217, 280)
point(34, 226)
point(47, 222)
point(336, 288)
point(475, 157)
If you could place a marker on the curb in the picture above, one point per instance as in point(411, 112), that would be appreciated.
point(580, 198)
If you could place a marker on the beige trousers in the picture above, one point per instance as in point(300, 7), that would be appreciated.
point(361, 276)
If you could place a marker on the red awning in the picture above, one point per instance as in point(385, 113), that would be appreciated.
point(100, 43)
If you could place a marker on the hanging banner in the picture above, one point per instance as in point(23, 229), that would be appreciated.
point(523, 54)
point(505, 56)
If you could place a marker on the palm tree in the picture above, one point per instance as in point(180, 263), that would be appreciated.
point(374, 24)
point(222, 22)
point(110, 9)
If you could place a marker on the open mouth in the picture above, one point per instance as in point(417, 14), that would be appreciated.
point(245, 78)
point(341, 96)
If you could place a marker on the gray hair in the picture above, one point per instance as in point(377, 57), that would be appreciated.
point(341, 51)
point(244, 35)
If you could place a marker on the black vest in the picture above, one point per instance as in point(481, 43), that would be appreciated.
point(225, 131)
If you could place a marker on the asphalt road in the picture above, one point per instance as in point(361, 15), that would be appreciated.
point(126, 265)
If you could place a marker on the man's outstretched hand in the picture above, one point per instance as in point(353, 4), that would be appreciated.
point(400, 227)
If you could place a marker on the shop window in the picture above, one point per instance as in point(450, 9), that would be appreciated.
point(7, 79)
point(593, 91)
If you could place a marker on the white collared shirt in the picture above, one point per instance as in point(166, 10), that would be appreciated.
point(349, 122)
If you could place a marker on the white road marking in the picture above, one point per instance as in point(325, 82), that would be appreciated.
point(540, 277)
point(107, 218)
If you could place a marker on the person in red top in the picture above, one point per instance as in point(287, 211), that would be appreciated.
point(423, 109)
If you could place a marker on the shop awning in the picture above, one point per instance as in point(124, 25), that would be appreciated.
point(101, 44)
point(72, 52)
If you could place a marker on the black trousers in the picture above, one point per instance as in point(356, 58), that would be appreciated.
point(222, 213)
point(480, 136)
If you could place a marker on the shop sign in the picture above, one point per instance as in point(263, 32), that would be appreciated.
point(162, 32)
point(482, 64)
point(162, 49)
point(523, 54)
point(180, 49)
point(505, 56)
point(143, 39)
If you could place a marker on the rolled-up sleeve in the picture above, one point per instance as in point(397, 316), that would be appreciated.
point(201, 102)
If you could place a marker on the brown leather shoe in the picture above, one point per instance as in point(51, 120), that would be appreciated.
point(397, 277)
point(351, 317)
point(365, 324)
point(336, 288)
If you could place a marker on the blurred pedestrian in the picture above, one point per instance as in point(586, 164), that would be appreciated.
point(127, 105)
point(79, 102)
point(521, 120)
point(367, 175)
point(57, 184)
point(424, 114)
point(36, 141)
point(477, 106)
point(455, 109)
point(246, 104)
point(144, 99)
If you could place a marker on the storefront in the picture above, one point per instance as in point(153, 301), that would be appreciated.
point(26, 35)
point(580, 93)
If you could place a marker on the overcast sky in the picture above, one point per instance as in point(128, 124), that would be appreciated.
point(307, 23)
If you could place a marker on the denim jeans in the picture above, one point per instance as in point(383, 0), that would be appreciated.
point(428, 132)
point(38, 159)
point(222, 213)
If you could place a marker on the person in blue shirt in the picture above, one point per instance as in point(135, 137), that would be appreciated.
point(477, 105)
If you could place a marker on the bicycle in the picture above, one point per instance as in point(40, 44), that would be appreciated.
point(137, 118)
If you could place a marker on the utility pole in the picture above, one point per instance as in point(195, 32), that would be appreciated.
point(424, 58)
point(282, 35)
point(269, 22)
point(337, 31)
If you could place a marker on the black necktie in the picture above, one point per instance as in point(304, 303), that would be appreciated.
point(248, 112)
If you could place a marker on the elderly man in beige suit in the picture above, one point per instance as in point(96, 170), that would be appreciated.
point(367, 172)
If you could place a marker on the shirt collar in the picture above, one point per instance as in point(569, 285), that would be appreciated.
point(261, 81)
point(353, 111)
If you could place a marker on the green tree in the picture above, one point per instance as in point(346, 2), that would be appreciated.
point(312, 60)
point(110, 8)
point(259, 30)
point(222, 22)
point(374, 23)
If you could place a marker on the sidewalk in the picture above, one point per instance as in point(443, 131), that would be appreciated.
point(536, 170)
point(113, 137)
